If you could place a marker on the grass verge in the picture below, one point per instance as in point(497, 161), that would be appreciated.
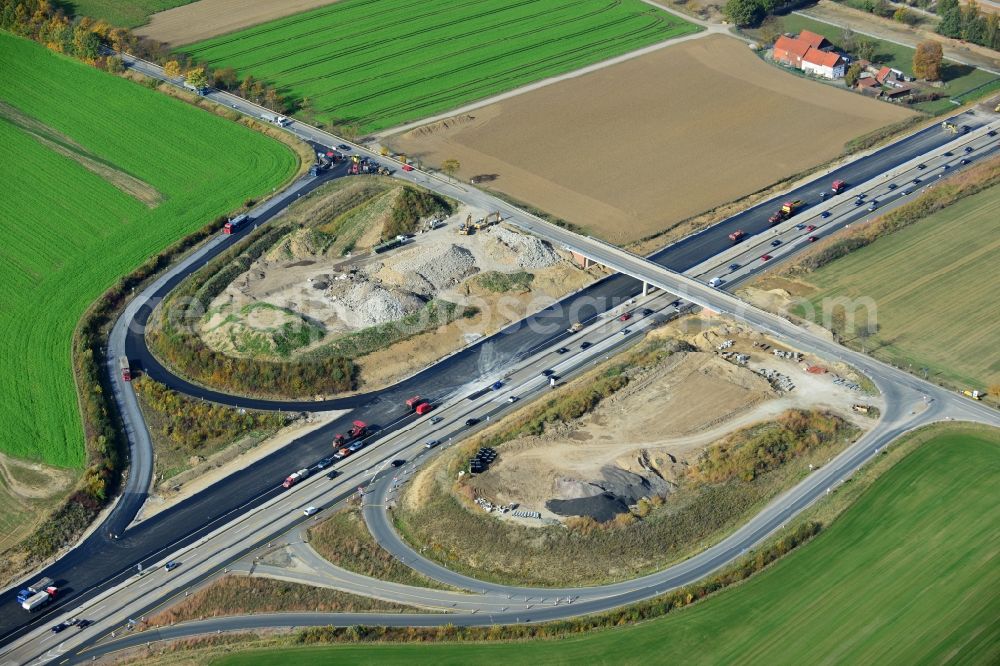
point(344, 540)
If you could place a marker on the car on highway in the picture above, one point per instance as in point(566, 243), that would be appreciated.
point(968, 149)
point(892, 186)
point(548, 372)
point(812, 239)
point(399, 462)
point(625, 316)
point(512, 399)
point(471, 422)
point(496, 386)
point(324, 463)
point(991, 133)
point(344, 147)
point(915, 181)
point(625, 331)
point(948, 154)
point(646, 312)
point(431, 444)
point(436, 419)
point(171, 565)
point(800, 227)
point(858, 202)
point(407, 167)
point(811, 227)
point(333, 475)
point(765, 257)
point(562, 350)
point(945, 166)
point(341, 454)
point(356, 446)
point(585, 345)
point(873, 205)
point(734, 267)
point(60, 627)
point(964, 161)
point(81, 624)
point(775, 243)
point(921, 166)
point(905, 192)
point(825, 214)
point(310, 511)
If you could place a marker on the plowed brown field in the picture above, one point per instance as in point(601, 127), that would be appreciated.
point(629, 150)
point(208, 18)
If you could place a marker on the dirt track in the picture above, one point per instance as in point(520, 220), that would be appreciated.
point(629, 150)
point(208, 18)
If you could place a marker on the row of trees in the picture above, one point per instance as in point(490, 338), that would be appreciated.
point(969, 23)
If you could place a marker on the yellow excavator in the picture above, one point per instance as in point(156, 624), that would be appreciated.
point(951, 127)
point(467, 228)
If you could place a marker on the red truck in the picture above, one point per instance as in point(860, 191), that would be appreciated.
point(295, 477)
point(237, 223)
point(419, 405)
point(126, 370)
point(737, 236)
point(359, 429)
point(838, 186)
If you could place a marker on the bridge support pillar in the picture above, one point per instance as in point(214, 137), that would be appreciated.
point(645, 288)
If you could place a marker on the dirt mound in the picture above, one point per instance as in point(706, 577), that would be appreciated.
point(612, 493)
point(360, 303)
point(436, 270)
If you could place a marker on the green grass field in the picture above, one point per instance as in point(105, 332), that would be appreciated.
point(907, 575)
point(379, 63)
point(128, 14)
point(99, 173)
point(958, 79)
point(931, 284)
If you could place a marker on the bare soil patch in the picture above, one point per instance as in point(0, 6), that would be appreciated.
point(208, 18)
point(660, 138)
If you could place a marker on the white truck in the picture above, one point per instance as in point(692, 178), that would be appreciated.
point(40, 593)
point(275, 119)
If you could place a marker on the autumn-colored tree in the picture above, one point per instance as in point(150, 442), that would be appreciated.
point(172, 69)
point(226, 78)
point(451, 167)
point(927, 61)
point(197, 77)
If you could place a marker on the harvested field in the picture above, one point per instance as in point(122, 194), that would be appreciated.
point(209, 18)
point(661, 138)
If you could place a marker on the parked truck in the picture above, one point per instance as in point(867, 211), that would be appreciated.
point(357, 431)
point(419, 405)
point(125, 368)
point(974, 394)
point(737, 236)
point(838, 186)
point(787, 209)
point(195, 89)
point(38, 594)
point(295, 477)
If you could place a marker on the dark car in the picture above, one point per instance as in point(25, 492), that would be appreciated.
point(60, 627)
point(171, 565)
point(471, 422)
point(344, 147)
point(324, 463)
point(812, 239)
point(775, 243)
point(81, 624)
point(548, 372)
point(333, 475)
point(915, 181)
point(949, 154)
point(646, 312)
point(968, 149)
point(921, 166)
point(398, 463)
point(585, 345)
point(825, 214)
point(964, 161)
point(893, 186)
point(496, 386)
point(562, 350)
point(734, 267)
point(945, 166)
point(436, 419)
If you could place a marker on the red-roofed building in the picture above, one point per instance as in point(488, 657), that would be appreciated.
point(814, 40)
point(870, 86)
point(790, 50)
point(823, 63)
point(809, 52)
point(883, 74)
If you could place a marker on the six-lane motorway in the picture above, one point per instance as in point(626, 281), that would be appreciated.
point(103, 562)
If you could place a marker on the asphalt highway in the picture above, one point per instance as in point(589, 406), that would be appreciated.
point(101, 561)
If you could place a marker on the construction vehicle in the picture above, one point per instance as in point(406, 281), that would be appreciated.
point(951, 127)
point(737, 236)
point(388, 245)
point(974, 394)
point(126, 370)
point(419, 405)
point(839, 186)
point(466, 228)
point(486, 222)
point(359, 429)
point(787, 209)
point(384, 152)
point(575, 328)
point(236, 223)
point(295, 477)
point(37, 594)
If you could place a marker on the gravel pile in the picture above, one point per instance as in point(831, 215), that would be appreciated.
point(439, 270)
point(518, 250)
point(602, 499)
point(362, 303)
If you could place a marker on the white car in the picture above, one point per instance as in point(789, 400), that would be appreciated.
point(512, 398)
point(310, 511)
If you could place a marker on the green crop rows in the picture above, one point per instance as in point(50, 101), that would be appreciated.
point(379, 63)
point(907, 575)
point(69, 233)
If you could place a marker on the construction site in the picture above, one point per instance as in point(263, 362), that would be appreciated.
point(333, 285)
